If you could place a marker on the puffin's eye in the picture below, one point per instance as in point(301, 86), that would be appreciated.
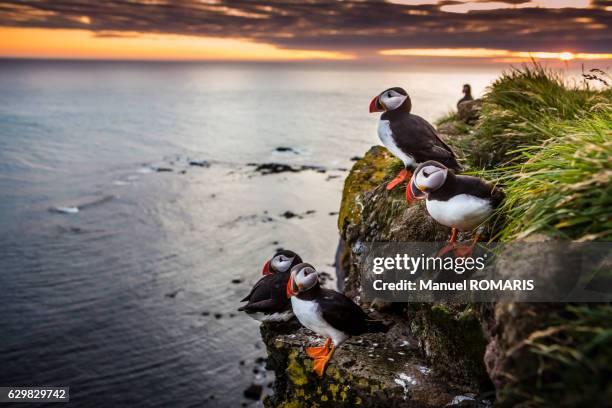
point(389, 95)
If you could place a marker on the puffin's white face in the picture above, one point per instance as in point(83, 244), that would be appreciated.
point(303, 277)
point(430, 178)
point(391, 99)
point(281, 263)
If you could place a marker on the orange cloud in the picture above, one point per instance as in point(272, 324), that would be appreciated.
point(61, 43)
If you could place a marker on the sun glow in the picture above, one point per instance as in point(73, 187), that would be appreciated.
point(492, 53)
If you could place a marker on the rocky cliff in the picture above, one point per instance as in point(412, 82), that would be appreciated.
point(437, 354)
point(431, 356)
point(506, 354)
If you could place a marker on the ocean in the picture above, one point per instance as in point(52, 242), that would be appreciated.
point(122, 264)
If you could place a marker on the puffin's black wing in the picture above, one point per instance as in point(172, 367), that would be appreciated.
point(416, 136)
point(268, 295)
point(480, 188)
point(254, 288)
point(343, 314)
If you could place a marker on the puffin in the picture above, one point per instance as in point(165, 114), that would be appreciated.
point(267, 301)
point(460, 202)
point(409, 137)
point(327, 313)
point(467, 94)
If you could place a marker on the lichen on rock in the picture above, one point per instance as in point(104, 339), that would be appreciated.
point(373, 370)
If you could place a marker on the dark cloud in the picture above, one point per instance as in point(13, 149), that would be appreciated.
point(339, 25)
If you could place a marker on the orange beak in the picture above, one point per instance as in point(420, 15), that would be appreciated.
point(266, 269)
point(376, 106)
point(289, 291)
point(409, 195)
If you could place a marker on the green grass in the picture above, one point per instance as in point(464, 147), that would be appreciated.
point(548, 143)
point(573, 355)
point(561, 187)
point(529, 105)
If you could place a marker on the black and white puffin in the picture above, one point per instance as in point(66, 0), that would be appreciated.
point(462, 203)
point(326, 312)
point(409, 137)
point(267, 301)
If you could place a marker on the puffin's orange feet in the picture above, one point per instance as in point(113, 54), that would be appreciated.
point(464, 251)
point(446, 249)
point(321, 362)
point(319, 366)
point(451, 244)
point(400, 177)
point(316, 352)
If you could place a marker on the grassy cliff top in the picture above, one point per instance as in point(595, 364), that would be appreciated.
point(548, 142)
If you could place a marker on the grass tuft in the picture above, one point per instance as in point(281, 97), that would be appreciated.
point(548, 143)
point(529, 105)
point(561, 187)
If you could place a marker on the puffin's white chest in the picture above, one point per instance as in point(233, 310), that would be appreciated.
point(463, 211)
point(309, 315)
point(386, 137)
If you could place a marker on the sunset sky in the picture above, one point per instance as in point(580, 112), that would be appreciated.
point(501, 30)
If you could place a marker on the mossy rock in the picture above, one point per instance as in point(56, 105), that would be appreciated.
point(373, 370)
point(453, 343)
point(367, 173)
point(452, 339)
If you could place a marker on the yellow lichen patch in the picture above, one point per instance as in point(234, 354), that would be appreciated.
point(362, 382)
point(357, 401)
point(291, 404)
point(319, 390)
point(343, 394)
point(278, 344)
point(334, 388)
point(374, 389)
point(295, 371)
point(334, 373)
point(324, 398)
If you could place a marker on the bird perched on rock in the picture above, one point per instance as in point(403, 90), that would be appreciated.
point(409, 137)
point(327, 313)
point(267, 301)
point(467, 94)
point(462, 203)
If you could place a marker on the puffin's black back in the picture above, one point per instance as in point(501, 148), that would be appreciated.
point(415, 136)
point(269, 287)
